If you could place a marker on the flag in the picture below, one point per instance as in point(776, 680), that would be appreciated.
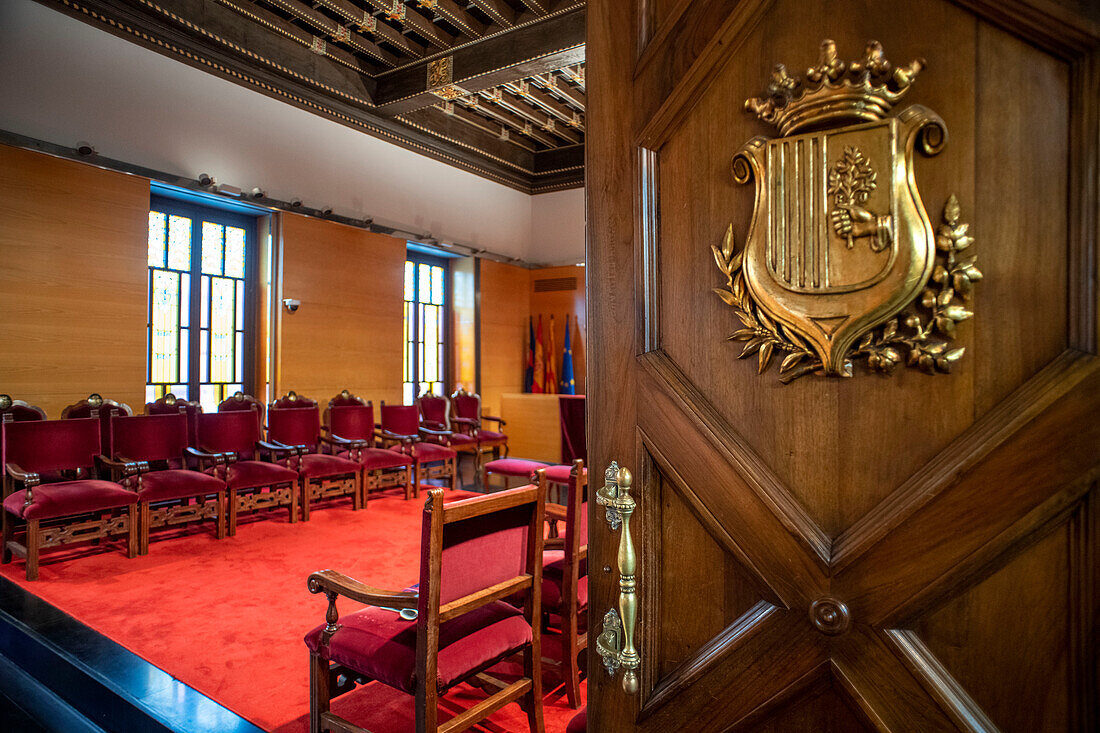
point(551, 359)
point(568, 384)
point(529, 371)
point(540, 362)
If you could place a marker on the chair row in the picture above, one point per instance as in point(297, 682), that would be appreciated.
point(454, 625)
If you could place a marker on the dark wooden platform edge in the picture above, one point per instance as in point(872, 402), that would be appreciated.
point(69, 677)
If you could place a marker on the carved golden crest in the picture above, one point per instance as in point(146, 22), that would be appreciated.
point(840, 249)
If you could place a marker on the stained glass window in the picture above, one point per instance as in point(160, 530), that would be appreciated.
point(425, 352)
point(198, 306)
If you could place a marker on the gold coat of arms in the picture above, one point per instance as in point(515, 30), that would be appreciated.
point(841, 260)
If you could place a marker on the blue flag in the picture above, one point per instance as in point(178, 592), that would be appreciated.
point(529, 372)
point(568, 384)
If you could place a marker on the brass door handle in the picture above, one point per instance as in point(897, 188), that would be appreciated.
point(615, 644)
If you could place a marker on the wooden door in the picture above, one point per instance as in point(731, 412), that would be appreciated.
point(905, 552)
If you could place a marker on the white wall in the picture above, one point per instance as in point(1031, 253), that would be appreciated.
point(64, 81)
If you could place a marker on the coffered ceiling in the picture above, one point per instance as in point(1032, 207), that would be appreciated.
point(496, 87)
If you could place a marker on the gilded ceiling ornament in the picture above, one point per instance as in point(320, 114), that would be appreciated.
point(841, 261)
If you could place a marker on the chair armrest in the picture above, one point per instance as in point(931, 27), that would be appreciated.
point(464, 420)
point(344, 442)
point(555, 511)
point(553, 543)
point(387, 435)
point(494, 419)
point(276, 447)
point(126, 466)
point(335, 583)
point(27, 478)
point(212, 457)
point(441, 433)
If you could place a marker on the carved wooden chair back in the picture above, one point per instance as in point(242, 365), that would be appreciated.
point(291, 400)
point(240, 402)
point(236, 431)
point(435, 411)
point(400, 419)
point(95, 405)
point(466, 405)
point(295, 425)
point(169, 404)
point(351, 422)
point(151, 438)
point(47, 447)
point(19, 411)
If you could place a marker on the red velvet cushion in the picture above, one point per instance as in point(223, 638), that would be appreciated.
point(380, 645)
point(178, 484)
point(354, 422)
point(466, 406)
point(50, 445)
point(149, 437)
point(487, 435)
point(294, 425)
point(249, 474)
point(229, 432)
point(514, 467)
point(553, 571)
point(579, 722)
point(560, 474)
point(433, 409)
point(430, 452)
point(400, 419)
point(316, 465)
point(462, 439)
point(375, 458)
point(68, 498)
point(482, 550)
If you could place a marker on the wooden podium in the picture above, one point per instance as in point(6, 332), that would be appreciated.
point(534, 425)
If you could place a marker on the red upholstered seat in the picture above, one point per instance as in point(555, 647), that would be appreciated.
point(560, 474)
point(318, 465)
point(579, 722)
point(177, 484)
point(487, 435)
point(514, 467)
point(428, 452)
point(376, 458)
point(552, 571)
point(460, 440)
point(69, 497)
point(249, 474)
point(382, 646)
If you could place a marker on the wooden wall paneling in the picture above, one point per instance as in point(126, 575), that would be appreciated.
point(504, 310)
point(463, 324)
point(73, 243)
point(348, 331)
point(560, 303)
point(534, 426)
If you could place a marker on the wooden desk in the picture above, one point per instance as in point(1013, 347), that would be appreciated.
point(534, 426)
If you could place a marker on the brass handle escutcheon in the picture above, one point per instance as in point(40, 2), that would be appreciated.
point(615, 644)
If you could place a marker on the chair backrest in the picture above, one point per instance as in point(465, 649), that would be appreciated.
point(169, 404)
point(400, 419)
point(435, 411)
point(354, 422)
point(466, 405)
point(95, 405)
point(294, 425)
point(19, 411)
point(290, 400)
point(574, 437)
point(150, 437)
point(240, 402)
point(478, 550)
point(576, 511)
point(235, 431)
point(44, 446)
point(346, 399)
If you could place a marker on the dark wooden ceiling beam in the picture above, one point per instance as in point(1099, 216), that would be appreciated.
point(487, 141)
point(555, 83)
point(359, 16)
point(459, 18)
point(529, 92)
point(575, 74)
point(472, 117)
point(334, 31)
point(514, 121)
point(522, 52)
point(501, 13)
point(520, 106)
point(416, 22)
point(542, 7)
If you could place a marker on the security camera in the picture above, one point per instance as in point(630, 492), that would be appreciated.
point(257, 193)
point(291, 305)
point(327, 211)
point(85, 148)
point(296, 203)
point(206, 180)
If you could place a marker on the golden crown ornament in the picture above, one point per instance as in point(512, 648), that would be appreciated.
point(841, 262)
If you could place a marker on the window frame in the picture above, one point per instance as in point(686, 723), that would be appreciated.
point(198, 214)
point(420, 258)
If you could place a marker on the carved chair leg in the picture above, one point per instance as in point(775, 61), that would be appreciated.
point(293, 503)
point(570, 651)
point(416, 480)
point(320, 694)
point(305, 489)
point(34, 539)
point(485, 479)
point(427, 708)
point(9, 536)
point(232, 512)
point(532, 668)
point(454, 472)
point(219, 526)
point(357, 492)
point(145, 521)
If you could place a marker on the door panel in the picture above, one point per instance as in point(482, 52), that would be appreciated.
point(848, 552)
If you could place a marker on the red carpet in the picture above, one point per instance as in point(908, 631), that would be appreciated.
point(227, 617)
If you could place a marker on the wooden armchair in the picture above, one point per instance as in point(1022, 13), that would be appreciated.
point(62, 512)
point(94, 405)
point(241, 402)
point(352, 433)
point(435, 414)
point(400, 427)
point(565, 574)
point(294, 421)
point(474, 553)
point(467, 417)
point(148, 453)
point(230, 448)
point(19, 411)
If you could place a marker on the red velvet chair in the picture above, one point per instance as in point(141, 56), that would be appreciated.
point(579, 722)
point(229, 448)
point(296, 422)
point(435, 414)
point(169, 404)
point(63, 512)
point(401, 427)
point(352, 431)
point(241, 402)
point(473, 553)
point(19, 411)
point(466, 416)
point(148, 451)
point(95, 405)
point(565, 574)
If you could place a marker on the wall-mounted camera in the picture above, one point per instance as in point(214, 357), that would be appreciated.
point(291, 305)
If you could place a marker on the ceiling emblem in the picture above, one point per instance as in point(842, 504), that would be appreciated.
point(841, 261)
